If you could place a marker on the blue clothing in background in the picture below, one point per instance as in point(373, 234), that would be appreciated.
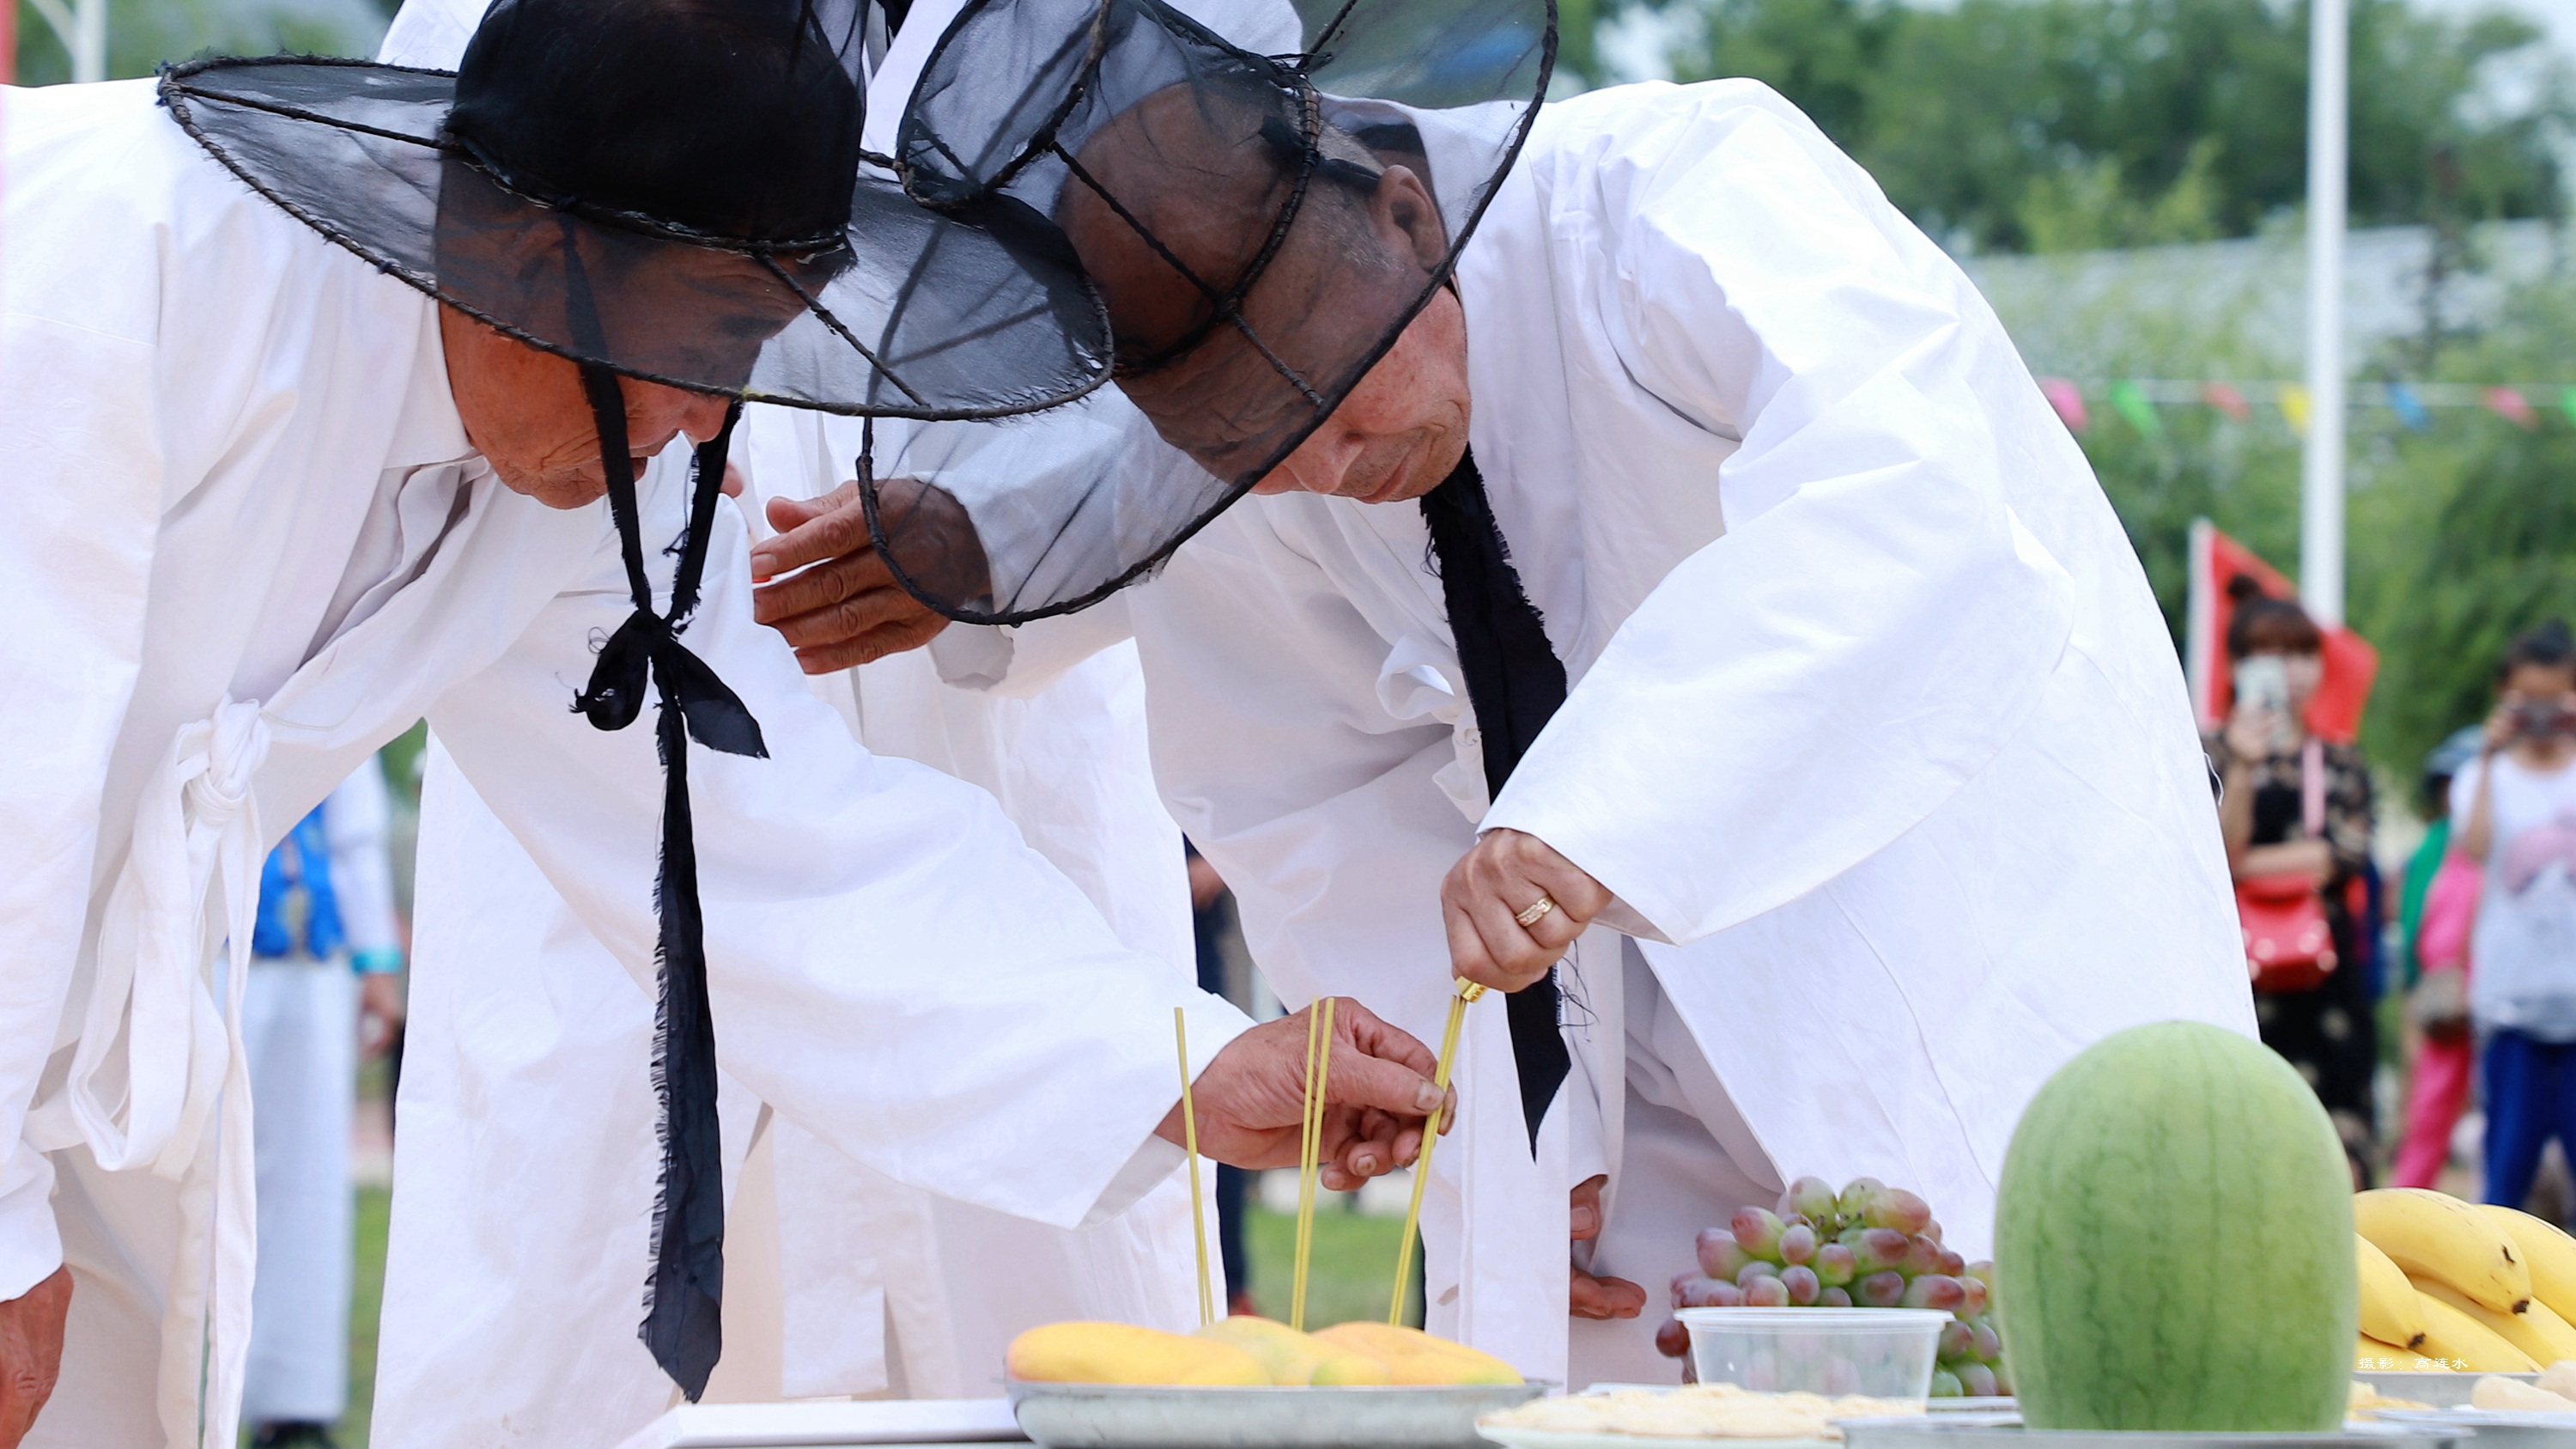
point(2531, 1097)
point(302, 860)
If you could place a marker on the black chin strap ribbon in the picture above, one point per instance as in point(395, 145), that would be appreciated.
point(683, 1318)
point(1515, 681)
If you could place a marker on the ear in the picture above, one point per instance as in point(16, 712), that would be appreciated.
point(1404, 213)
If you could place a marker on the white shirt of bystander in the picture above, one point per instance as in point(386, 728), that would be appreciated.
point(2525, 940)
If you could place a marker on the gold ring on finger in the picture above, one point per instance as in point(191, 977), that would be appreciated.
point(1538, 909)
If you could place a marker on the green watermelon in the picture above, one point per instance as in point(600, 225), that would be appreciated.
point(2173, 1241)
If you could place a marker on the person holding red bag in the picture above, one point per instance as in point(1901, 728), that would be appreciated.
point(2295, 811)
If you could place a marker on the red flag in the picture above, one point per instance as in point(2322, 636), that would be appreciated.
point(2226, 399)
point(2334, 711)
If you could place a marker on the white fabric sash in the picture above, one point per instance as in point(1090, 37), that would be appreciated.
point(153, 994)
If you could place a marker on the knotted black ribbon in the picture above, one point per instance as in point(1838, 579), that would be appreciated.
point(1515, 681)
point(683, 1299)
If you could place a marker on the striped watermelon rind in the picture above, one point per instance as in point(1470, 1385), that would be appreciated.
point(2173, 1241)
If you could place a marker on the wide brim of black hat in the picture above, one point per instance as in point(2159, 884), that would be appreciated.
point(912, 313)
point(1011, 98)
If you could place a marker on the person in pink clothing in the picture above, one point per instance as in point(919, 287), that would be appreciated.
point(2438, 907)
point(2447, 1054)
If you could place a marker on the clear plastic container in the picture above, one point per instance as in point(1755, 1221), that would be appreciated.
point(1885, 1353)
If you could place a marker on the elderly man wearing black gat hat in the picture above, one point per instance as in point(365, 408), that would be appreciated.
point(315, 375)
point(1599, 550)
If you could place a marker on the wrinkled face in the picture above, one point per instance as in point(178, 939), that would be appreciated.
point(654, 305)
point(1401, 430)
point(526, 412)
point(1350, 264)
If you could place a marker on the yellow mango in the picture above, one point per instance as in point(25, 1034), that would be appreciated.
point(1120, 1353)
point(1291, 1358)
point(1412, 1356)
point(1351, 1370)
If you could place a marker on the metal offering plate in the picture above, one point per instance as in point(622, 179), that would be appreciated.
point(1153, 1416)
point(2004, 1431)
point(2495, 1428)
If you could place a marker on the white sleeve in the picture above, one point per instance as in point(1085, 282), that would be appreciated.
point(1023, 661)
point(431, 34)
point(354, 821)
point(84, 465)
point(888, 964)
point(2464, 791)
point(1875, 623)
point(1317, 801)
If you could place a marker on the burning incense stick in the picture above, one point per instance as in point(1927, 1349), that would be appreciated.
point(1190, 1141)
point(1467, 991)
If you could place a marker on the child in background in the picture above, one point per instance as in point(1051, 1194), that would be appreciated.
point(2435, 911)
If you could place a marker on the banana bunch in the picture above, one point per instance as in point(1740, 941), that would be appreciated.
point(2470, 1285)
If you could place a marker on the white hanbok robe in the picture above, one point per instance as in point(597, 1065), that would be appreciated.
point(839, 1280)
point(251, 543)
point(1874, 728)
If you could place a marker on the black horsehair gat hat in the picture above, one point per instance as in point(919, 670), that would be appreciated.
point(693, 167)
point(1201, 145)
point(673, 191)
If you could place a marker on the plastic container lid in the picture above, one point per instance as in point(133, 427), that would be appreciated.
point(1820, 1320)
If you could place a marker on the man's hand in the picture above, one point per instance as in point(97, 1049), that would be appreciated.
point(1377, 1092)
point(1205, 886)
point(845, 608)
point(380, 1013)
point(1504, 878)
point(31, 1352)
point(1591, 1297)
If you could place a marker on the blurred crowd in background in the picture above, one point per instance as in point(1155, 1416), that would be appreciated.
point(2427, 991)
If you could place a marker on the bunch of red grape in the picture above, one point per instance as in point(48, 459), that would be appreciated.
point(1868, 1246)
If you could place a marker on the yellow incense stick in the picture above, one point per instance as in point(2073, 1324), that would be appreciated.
point(1319, 1031)
point(1190, 1142)
point(1305, 1173)
point(1467, 991)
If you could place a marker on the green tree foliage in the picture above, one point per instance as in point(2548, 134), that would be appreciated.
point(2458, 537)
point(144, 34)
point(2067, 124)
point(2465, 535)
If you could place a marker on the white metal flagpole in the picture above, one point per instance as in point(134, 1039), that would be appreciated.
point(2321, 472)
point(82, 28)
point(89, 51)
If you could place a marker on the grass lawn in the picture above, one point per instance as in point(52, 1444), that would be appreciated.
point(1350, 1269)
point(367, 1295)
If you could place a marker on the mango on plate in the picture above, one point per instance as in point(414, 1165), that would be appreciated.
point(1412, 1356)
point(1292, 1358)
point(1121, 1353)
